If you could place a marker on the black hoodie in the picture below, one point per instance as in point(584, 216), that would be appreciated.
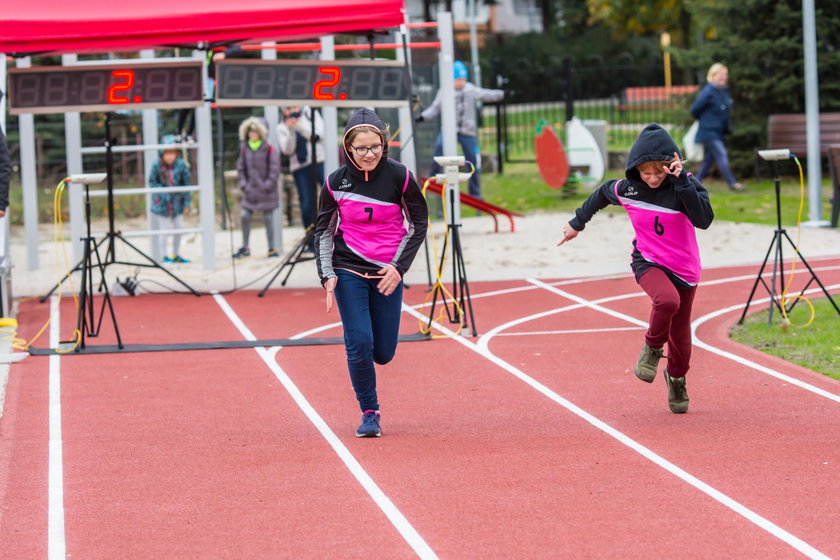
point(369, 219)
point(663, 217)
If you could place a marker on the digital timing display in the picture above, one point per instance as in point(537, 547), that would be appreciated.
point(111, 87)
point(338, 83)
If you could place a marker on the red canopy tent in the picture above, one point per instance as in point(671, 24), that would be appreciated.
point(62, 26)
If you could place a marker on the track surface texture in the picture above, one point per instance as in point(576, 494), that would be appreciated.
point(532, 440)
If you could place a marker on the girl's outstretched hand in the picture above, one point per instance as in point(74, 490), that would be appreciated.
point(569, 233)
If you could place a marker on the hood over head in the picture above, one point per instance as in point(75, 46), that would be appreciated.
point(253, 123)
point(653, 144)
point(365, 117)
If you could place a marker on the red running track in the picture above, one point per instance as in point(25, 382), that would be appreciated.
point(533, 440)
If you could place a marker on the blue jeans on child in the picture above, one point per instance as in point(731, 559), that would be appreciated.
point(469, 145)
point(371, 328)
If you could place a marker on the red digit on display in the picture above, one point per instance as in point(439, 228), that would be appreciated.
point(128, 75)
point(336, 77)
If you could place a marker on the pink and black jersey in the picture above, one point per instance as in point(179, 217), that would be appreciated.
point(663, 218)
point(369, 219)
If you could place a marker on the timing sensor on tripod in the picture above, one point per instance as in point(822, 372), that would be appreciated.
point(444, 161)
point(450, 165)
point(774, 155)
point(86, 178)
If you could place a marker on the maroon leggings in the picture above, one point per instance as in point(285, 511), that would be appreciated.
point(670, 318)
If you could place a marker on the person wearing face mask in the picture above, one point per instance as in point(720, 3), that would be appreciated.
point(371, 222)
point(294, 136)
point(712, 109)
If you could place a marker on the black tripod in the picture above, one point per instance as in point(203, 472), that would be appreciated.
point(456, 312)
point(86, 321)
point(778, 300)
point(112, 235)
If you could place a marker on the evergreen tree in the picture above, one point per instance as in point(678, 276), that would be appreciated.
point(761, 41)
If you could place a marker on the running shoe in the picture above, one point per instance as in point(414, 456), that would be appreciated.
point(370, 424)
point(647, 363)
point(677, 395)
point(166, 260)
point(179, 259)
point(242, 252)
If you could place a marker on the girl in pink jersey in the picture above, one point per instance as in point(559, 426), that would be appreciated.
point(371, 221)
point(665, 204)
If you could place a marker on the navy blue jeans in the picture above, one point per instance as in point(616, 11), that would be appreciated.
point(715, 151)
point(469, 144)
point(371, 329)
point(306, 191)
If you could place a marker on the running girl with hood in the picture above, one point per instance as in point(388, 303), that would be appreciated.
point(665, 204)
point(371, 221)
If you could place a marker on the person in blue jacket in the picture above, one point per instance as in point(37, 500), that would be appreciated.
point(168, 208)
point(712, 109)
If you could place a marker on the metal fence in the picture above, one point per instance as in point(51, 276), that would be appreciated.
point(507, 131)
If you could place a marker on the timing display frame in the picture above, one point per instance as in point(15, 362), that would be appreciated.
point(115, 86)
point(319, 83)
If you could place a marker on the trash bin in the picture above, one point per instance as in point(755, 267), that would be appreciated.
point(598, 128)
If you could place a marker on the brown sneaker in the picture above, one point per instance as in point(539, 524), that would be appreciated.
point(647, 363)
point(677, 395)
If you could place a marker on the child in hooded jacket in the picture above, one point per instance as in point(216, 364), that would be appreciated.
point(665, 204)
point(168, 209)
point(258, 166)
point(371, 221)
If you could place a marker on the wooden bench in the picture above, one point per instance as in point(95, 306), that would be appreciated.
point(790, 131)
point(654, 97)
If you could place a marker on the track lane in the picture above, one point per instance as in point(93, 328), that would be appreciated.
point(509, 471)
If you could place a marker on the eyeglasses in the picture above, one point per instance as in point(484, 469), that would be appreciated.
point(362, 151)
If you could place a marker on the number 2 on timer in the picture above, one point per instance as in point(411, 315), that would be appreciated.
point(128, 75)
point(335, 77)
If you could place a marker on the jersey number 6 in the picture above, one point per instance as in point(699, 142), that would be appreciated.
point(657, 227)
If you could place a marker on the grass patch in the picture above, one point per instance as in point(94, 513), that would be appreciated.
point(815, 347)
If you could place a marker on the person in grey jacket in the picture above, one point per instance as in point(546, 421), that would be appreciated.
point(711, 108)
point(467, 96)
point(259, 169)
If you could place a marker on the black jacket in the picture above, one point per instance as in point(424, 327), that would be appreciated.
point(369, 219)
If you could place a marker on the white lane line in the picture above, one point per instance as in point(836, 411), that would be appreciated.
point(56, 545)
point(569, 331)
point(710, 491)
point(408, 532)
point(749, 363)
point(484, 341)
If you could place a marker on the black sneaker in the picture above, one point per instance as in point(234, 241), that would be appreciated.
point(273, 253)
point(242, 252)
point(647, 363)
point(370, 425)
point(677, 395)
